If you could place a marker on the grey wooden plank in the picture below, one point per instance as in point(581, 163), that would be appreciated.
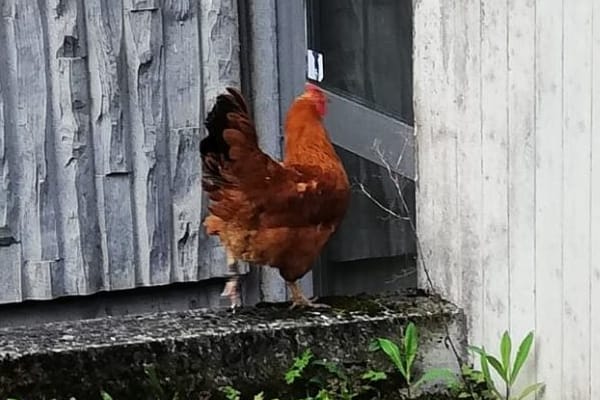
point(522, 170)
point(4, 166)
point(80, 268)
point(595, 208)
point(36, 211)
point(428, 69)
point(10, 250)
point(187, 204)
point(104, 24)
point(119, 230)
point(183, 100)
point(469, 146)
point(575, 216)
point(495, 137)
point(36, 278)
point(219, 46)
point(151, 189)
point(291, 48)
point(110, 132)
point(7, 160)
point(10, 273)
point(10, 247)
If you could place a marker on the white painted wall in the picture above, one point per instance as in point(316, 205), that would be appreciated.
point(507, 103)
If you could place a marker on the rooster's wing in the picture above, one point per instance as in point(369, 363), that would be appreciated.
point(249, 188)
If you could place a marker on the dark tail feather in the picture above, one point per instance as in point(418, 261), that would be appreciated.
point(213, 148)
point(216, 122)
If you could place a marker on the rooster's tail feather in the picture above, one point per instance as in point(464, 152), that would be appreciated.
point(214, 150)
point(217, 121)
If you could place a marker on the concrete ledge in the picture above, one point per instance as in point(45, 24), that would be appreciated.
point(198, 351)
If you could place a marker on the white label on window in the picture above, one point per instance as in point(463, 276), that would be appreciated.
point(315, 65)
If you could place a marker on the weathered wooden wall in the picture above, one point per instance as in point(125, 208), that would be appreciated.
point(101, 109)
point(507, 111)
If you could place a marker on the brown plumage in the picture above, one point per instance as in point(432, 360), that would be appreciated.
point(266, 212)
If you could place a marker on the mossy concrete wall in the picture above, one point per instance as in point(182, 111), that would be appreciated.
point(199, 351)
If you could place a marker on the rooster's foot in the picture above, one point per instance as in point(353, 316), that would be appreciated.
point(300, 301)
point(232, 287)
point(232, 292)
point(307, 304)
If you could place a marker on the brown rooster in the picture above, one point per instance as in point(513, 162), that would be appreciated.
point(266, 212)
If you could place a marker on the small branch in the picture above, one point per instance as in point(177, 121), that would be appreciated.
point(405, 209)
point(397, 277)
point(378, 203)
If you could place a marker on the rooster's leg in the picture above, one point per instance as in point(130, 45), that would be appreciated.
point(231, 289)
point(298, 298)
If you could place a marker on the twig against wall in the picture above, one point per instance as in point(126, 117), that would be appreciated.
point(404, 214)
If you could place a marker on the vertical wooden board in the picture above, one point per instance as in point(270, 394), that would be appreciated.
point(220, 62)
point(521, 167)
point(118, 230)
point(187, 201)
point(444, 151)
point(467, 66)
point(5, 197)
point(83, 149)
point(35, 279)
point(45, 154)
point(10, 277)
point(263, 74)
point(111, 134)
point(577, 72)
point(220, 47)
point(10, 250)
point(80, 268)
point(427, 90)
point(494, 106)
point(421, 41)
point(106, 53)
point(548, 195)
point(183, 97)
point(10, 283)
point(290, 43)
point(595, 210)
point(151, 186)
point(36, 211)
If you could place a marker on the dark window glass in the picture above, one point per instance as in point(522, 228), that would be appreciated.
point(367, 51)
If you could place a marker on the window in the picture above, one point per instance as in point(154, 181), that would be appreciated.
point(367, 51)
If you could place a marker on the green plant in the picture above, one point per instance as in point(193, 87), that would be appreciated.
point(325, 377)
point(320, 379)
point(260, 396)
point(473, 386)
point(374, 376)
point(298, 367)
point(403, 357)
point(506, 370)
point(230, 393)
point(105, 396)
